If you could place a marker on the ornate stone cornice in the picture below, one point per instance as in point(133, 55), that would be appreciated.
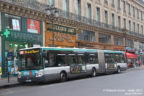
point(21, 11)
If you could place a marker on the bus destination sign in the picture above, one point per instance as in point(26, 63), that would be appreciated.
point(29, 52)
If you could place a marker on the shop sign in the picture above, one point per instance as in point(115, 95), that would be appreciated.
point(6, 33)
point(60, 39)
point(16, 24)
point(25, 37)
point(33, 26)
point(10, 54)
point(60, 28)
point(0, 22)
point(118, 48)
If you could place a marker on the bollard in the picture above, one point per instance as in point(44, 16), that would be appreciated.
point(8, 77)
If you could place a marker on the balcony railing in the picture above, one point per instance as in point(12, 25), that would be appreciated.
point(35, 5)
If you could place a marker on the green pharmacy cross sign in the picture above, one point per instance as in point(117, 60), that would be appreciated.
point(6, 33)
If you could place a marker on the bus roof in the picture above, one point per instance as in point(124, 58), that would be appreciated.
point(79, 50)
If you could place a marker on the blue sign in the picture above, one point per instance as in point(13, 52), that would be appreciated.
point(10, 54)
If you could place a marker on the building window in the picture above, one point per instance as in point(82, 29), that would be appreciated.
point(118, 41)
point(12, 22)
point(141, 16)
point(137, 14)
point(142, 29)
point(129, 43)
point(129, 10)
point(119, 5)
point(106, 2)
point(124, 23)
point(103, 38)
point(112, 3)
point(66, 7)
point(133, 26)
point(119, 22)
point(106, 17)
point(138, 28)
point(133, 11)
point(87, 36)
point(78, 7)
point(113, 20)
point(129, 26)
point(124, 6)
point(50, 2)
point(98, 14)
point(89, 11)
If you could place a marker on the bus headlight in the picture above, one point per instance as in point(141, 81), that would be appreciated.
point(19, 74)
point(39, 73)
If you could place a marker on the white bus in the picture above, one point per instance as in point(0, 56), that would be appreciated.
point(51, 63)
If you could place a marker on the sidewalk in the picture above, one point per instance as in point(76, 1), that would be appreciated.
point(136, 68)
point(4, 81)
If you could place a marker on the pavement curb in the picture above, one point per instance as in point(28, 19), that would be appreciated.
point(9, 85)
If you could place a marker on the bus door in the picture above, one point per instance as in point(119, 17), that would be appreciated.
point(101, 61)
point(109, 62)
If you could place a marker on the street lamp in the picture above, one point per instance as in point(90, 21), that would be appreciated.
point(125, 36)
point(52, 13)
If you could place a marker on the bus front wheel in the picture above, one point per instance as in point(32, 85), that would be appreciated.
point(63, 76)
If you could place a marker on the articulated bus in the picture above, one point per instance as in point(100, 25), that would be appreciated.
point(53, 63)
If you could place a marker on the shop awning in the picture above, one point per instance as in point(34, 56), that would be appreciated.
point(130, 55)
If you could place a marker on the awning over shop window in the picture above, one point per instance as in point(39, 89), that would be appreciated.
point(130, 55)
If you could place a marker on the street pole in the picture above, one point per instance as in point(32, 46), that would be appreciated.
point(53, 12)
point(53, 34)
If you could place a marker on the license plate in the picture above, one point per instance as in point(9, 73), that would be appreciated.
point(28, 80)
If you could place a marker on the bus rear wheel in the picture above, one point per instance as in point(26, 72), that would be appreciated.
point(118, 70)
point(63, 76)
point(93, 74)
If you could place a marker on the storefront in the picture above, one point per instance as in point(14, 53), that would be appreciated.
point(60, 36)
point(131, 56)
point(23, 33)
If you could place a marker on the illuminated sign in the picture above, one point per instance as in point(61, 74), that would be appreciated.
point(21, 52)
point(6, 33)
point(31, 51)
point(33, 26)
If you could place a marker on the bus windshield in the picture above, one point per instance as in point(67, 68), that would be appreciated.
point(30, 62)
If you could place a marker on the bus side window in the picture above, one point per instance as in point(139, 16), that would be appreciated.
point(72, 59)
point(81, 59)
point(108, 58)
point(117, 58)
point(61, 60)
point(92, 59)
point(50, 60)
point(121, 56)
point(113, 58)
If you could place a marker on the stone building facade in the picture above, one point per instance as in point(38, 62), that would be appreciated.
point(104, 24)
point(98, 24)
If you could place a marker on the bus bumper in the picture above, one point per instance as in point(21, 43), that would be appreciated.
point(31, 79)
